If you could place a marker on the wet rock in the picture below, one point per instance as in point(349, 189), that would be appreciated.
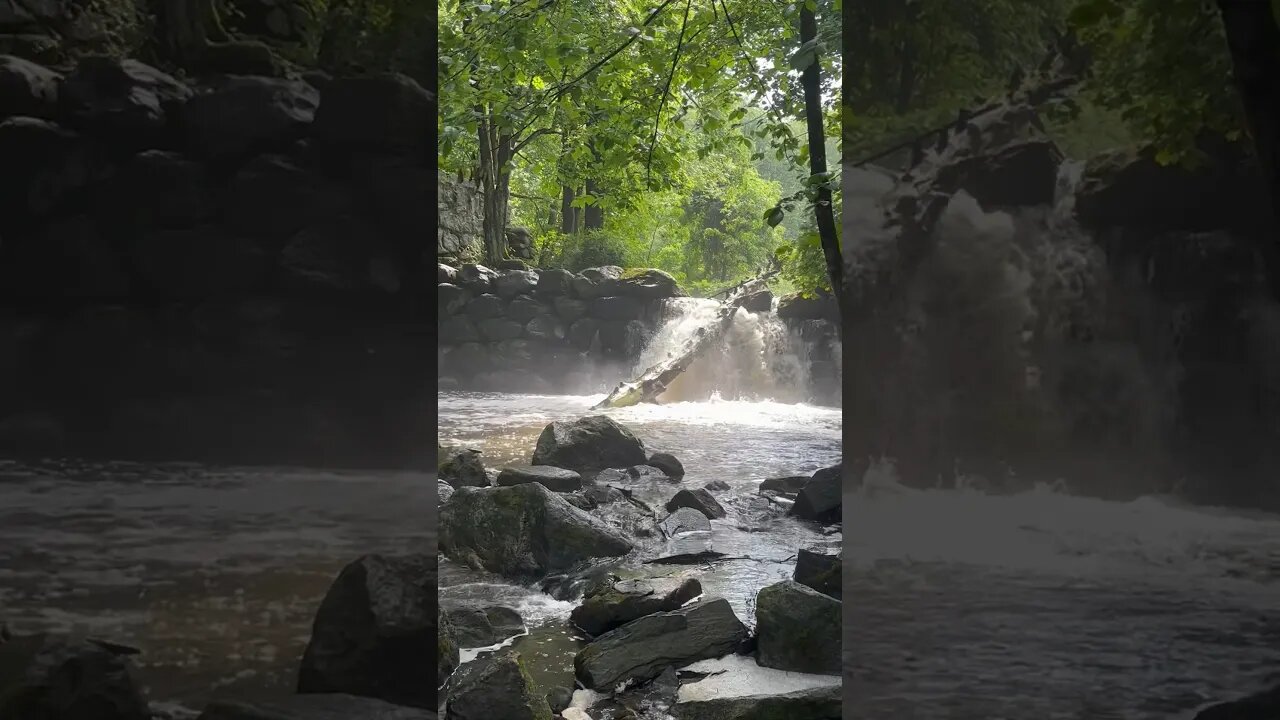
point(819, 568)
point(649, 284)
point(553, 478)
point(524, 308)
point(717, 485)
point(372, 634)
point(497, 686)
point(446, 274)
point(798, 307)
point(523, 530)
point(643, 648)
point(667, 463)
point(387, 112)
point(569, 309)
point(822, 703)
point(27, 89)
point(444, 491)
point(458, 331)
point(1260, 706)
point(820, 499)
point(615, 604)
point(329, 706)
point(44, 164)
point(554, 282)
point(1020, 174)
point(789, 485)
point(196, 262)
point(121, 100)
point(601, 494)
point(53, 677)
point(683, 520)
point(485, 306)
point(482, 627)
point(461, 467)
point(510, 283)
point(798, 629)
point(476, 278)
point(558, 698)
point(513, 264)
point(582, 333)
point(617, 308)
point(448, 654)
point(499, 329)
point(240, 114)
point(760, 301)
point(699, 500)
point(452, 298)
point(272, 198)
point(545, 327)
point(589, 443)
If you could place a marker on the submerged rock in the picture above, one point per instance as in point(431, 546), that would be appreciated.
point(699, 500)
point(821, 703)
point(482, 627)
point(313, 707)
point(553, 478)
point(613, 605)
point(590, 443)
point(558, 698)
point(789, 485)
point(496, 687)
point(717, 485)
point(667, 463)
point(683, 520)
point(798, 629)
point(523, 530)
point(46, 676)
point(461, 467)
point(372, 635)
point(820, 499)
point(1260, 706)
point(819, 568)
point(643, 648)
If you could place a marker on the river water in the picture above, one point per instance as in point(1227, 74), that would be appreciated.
point(215, 574)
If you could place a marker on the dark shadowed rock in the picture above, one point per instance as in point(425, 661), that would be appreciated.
point(524, 308)
point(582, 333)
point(796, 306)
point(667, 463)
point(643, 648)
point(790, 484)
point(559, 698)
point(273, 198)
point(510, 283)
point(717, 485)
point(179, 193)
point(760, 301)
point(553, 478)
point(240, 114)
point(649, 284)
point(590, 443)
point(387, 112)
point(444, 491)
point(648, 473)
point(458, 330)
point(1021, 174)
point(699, 500)
point(313, 707)
point(448, 654)
point(498, 329)
point(568, 309)
point(820, 498)
point(819, 568)
point(617, 308)
point(613, 605)
point(683, 520)
point(239, 57)
point(476, 278)
point(372, 635)
point(446, 273)
point(545, 327)
point(197, 262)
point(44, 163)
point(27, 89)
point(485, 306)
point(452, 299)
point(495, 687)
point(481, 627)
point(523, 530)
point(121, 100)
point(1260, 706)
point(555, 282)
point(821, 703)
point(462, 467)
point(798, 629)
point(44, 676)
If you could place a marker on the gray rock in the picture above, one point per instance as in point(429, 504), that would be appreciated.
point(604, 272)
point(569, 309)
point(329, 706)
point(482, 627)
point(240, 114)
point(667, 463)
point(27, 89)
point(457, 331)
point(448, 654)
point(49, 676)
point(446, 274)
point(559, 698)
point(372, 635)
point(617, 308)
point(523, 530)
point(683, 520)
point(590, 443)
point(511, 283)
point(798, 629)
point(586, 288)
point(462, 467)
point(444, 491)
point(796, 306)
point(819, 568)
point(452, 299)
point(553, 478)
point(789, 485)
point(1020, 174)
point(612, 605)
point(524, 308)
point(717, 485)
point(582, 333)
point(821, 703)
point(122, 100)
point(554, 282)
point(648, 473)
point(496, 687)
point(498, 329)
point(44, 164)
point(512, 263)
point(643, 648)
point(476, 278)
point(699, 500)
point(649, 284)
point(545, 327)
point(485, 306)
point(760, 301)
point(820, 499)
point(388, 112)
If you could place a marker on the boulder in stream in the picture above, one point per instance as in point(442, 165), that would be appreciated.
point(647, 283)
point(49, 676)
point(820, 703)
point(684, 520)
point(789, 485)
point(372, 635)
point(612, 605)
point(699, 500)
point(444, 491)
point(523, 530)
point(495, 687)
point(553, 478)
point(591, 443)
point(643, 648)
point(819, 568)
point(820, 499)
point(667, 463)
point(313, 707)
point(483, 626)
point(461, 467)
point(448, 654)
point(798, 629)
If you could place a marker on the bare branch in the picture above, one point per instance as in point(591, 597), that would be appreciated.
point(666, 90)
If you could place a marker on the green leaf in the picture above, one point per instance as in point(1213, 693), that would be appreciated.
point(775, 217)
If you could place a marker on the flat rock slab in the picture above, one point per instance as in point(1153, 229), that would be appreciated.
point(614, 605)
point(642, 649)
point(684, 520)
point(819, 568)
point(552, 478)
point(699, 499)
point(594, 442)
point(314, 707)
point(484, 626)
point(822, 703)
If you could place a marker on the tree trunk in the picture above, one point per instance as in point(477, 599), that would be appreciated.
point(568, 213)
point(185, 29)
point(495, 155)
point(811, 79)
point(1253, 37)
point(593, 215)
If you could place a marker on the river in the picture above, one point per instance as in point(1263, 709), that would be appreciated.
point(214, 573)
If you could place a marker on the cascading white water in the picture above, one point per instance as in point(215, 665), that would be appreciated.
point(759, 357)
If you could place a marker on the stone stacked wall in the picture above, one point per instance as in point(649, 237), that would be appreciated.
point(230, 268)
point(520, 330)
point(461, 219)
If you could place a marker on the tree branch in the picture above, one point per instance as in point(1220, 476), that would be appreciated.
point(666, 90)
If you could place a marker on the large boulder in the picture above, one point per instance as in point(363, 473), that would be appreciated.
point(274, 198)
point(798, 629)
point(452, 299)
point(570, 310)
point(684, 520)
point(197, 262)
point(496, 687)
point(819, 568)
point(124, 101)
point(814, 306)
point(27, 89)
point(649, 284)
point(643, 648)
point(462, 467)
point(372, 635)
point(510, 283)
point(553, 478)
point(618, 307)
point(587, 444)
point(523, 530)
point(555, 282)
point(157, 189)
point(612, 605)
point(383, 113)
point(472, 627)
point(698, 499)
point(497, 329)
point(242, 114)
point(821, 498)
point(820, 703)
point(476, 278)
point(43, 676)
point(329, 706)
point(44, 164)
point(789, 485)
point(1020, 174)
point(667, 463)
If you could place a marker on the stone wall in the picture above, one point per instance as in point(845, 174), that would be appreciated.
point(228, 269)
point(520, 330)
point(460, 218)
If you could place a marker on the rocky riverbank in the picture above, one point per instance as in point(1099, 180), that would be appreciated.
point(573, 522)
point(219, 267)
